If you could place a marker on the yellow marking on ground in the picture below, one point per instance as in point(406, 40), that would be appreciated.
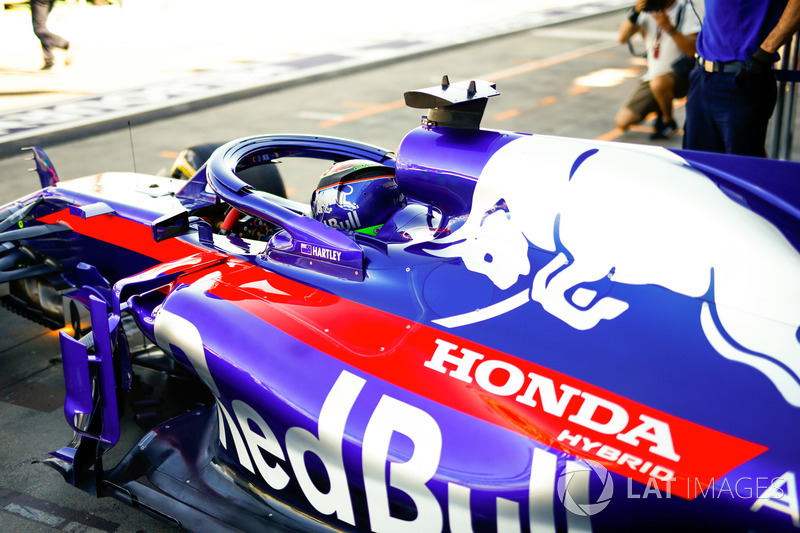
point(357, 105)
point(610, 135)
point(606, 77)
point(546, 62)
point(548, 100)
point(616, 132)
point(577, 89)
point(505, 115)
point(366, 112)
point(526, 68)
point(168, 154)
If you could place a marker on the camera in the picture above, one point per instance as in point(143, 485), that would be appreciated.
point(655, 5)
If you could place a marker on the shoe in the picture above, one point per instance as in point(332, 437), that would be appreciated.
point(667, 131)
point(48, 65)
point(69, 55)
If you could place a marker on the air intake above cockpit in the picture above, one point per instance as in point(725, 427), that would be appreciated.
point(456, 105)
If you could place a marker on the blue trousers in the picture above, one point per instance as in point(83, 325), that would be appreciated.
point(723, 117)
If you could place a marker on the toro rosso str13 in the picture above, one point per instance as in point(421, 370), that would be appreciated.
point(484, 331)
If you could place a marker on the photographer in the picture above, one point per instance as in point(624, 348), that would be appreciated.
point(669, 28)
point(733, 89)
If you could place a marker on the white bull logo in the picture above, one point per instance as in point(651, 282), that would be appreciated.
point(639, 216)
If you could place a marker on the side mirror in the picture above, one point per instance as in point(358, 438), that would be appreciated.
point(169, 226)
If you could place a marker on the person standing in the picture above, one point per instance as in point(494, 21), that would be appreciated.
point(733, 89)
point(40, 10)
point(669, 30)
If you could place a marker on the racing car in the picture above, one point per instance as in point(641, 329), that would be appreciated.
point(481, 331)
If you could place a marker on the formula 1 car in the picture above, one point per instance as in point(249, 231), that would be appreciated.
point(500, 332)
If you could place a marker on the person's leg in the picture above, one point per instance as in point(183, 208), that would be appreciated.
point(626, 118)
point(40, 9)
point(662, 87)
point(748, 116)
point(39, 12)
point(640, 103)
point(700, 131)
point(664, 92)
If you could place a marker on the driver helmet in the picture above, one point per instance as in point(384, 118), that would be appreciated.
point(356, 195)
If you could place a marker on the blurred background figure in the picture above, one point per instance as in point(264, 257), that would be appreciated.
point(40, 10)
point(669, 28)
point(733, 89)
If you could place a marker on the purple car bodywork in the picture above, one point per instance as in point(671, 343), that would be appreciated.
point(552, 335)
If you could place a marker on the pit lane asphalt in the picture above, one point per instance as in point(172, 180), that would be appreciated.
point(567, 79)
point(142, 60)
